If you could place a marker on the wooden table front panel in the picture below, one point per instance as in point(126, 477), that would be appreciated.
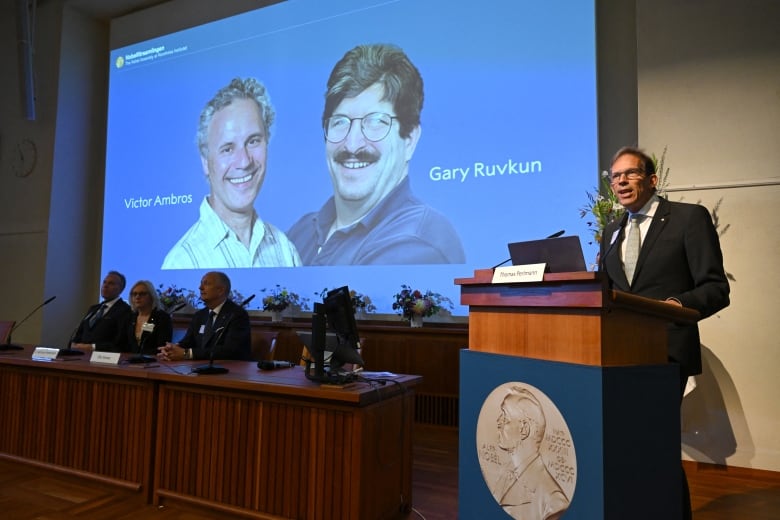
point(291, 458)
point(79, 423)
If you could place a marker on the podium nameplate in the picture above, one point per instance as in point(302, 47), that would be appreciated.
point(519, 273)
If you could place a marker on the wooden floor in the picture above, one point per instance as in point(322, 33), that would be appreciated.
point(27, 493)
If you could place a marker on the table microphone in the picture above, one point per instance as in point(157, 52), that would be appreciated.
point(140, 357)
point(273, 365)
point(211, 368)
point(10, 346)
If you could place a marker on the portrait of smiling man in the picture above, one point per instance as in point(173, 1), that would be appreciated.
point(233, 141)
point(371, 126)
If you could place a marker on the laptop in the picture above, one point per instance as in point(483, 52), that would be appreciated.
point(562, 254)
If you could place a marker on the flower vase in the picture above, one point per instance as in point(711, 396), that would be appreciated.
point(416, 321)
point(276, 316)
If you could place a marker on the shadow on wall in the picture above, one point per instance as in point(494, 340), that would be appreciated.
point(711, 414)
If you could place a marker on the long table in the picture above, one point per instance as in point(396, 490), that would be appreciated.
point(263, 444)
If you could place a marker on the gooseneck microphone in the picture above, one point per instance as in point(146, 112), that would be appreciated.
point(614, 239)
point(246, 302)
point(554, 235)
point(68, 351)
point(10, 346)
point(211, 368)
point(146, 331)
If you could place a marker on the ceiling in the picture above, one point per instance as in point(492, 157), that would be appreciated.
point(107, 9)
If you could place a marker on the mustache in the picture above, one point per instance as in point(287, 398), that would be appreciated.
point(359, 156)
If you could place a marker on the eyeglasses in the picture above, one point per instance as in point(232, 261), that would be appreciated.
point(138, 294)
point(375, 126)
point(631, 174)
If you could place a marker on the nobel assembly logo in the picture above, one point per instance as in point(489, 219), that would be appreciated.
point(150, 54)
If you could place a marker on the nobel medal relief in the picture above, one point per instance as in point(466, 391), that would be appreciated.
point(526, 452)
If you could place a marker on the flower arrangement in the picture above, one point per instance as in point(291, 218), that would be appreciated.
point(279, 298)
point(412, 302)
point(360, 301)
point(603, 204)
point(173, 297)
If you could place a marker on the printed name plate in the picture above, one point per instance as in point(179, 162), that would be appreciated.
point(45, 353)
point(519, 273)
point(107, 358)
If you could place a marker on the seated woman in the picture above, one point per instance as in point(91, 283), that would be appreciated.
point(150, 327)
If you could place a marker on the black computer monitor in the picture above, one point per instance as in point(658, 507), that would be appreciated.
point(335, 314)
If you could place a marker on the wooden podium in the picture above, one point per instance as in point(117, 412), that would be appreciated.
point(598, 359)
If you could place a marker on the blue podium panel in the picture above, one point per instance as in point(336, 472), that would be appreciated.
point(542, 440)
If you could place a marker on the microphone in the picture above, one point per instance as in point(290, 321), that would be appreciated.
point(272, 365)
point(10, 346)
point(246, 302)
point(68, 351)
point(554, 235)
point(146, 331)
point(616, 235)
point(211, 368)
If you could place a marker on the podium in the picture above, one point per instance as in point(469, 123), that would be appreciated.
point(592, 363)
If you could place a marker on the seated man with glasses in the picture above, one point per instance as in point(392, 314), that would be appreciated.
point(371, 124)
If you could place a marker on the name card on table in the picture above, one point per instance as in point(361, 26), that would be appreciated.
point(519, 273)
point(45, 353)
point(107, 358)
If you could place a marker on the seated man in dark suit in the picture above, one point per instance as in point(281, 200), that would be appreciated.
point(104, 323)
point(222, 326)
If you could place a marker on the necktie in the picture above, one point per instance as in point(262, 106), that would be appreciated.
point(633, 245)
point(209, 324)
point(95, 317)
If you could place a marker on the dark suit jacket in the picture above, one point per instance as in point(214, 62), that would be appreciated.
point(680, 258)
point(233, 342)
point(162, 333)
point(108, 332)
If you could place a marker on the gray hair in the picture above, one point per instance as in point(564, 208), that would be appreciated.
point(248, 88)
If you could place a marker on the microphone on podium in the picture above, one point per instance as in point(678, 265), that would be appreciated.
point(10, 346)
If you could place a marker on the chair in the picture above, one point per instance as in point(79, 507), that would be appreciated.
point(263, 345)
point(5, 331)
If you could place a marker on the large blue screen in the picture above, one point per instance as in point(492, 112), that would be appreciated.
point(507, 151)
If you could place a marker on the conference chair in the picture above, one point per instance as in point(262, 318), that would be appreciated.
point(5, 330)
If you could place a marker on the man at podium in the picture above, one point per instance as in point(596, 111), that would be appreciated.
point(666, 251)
